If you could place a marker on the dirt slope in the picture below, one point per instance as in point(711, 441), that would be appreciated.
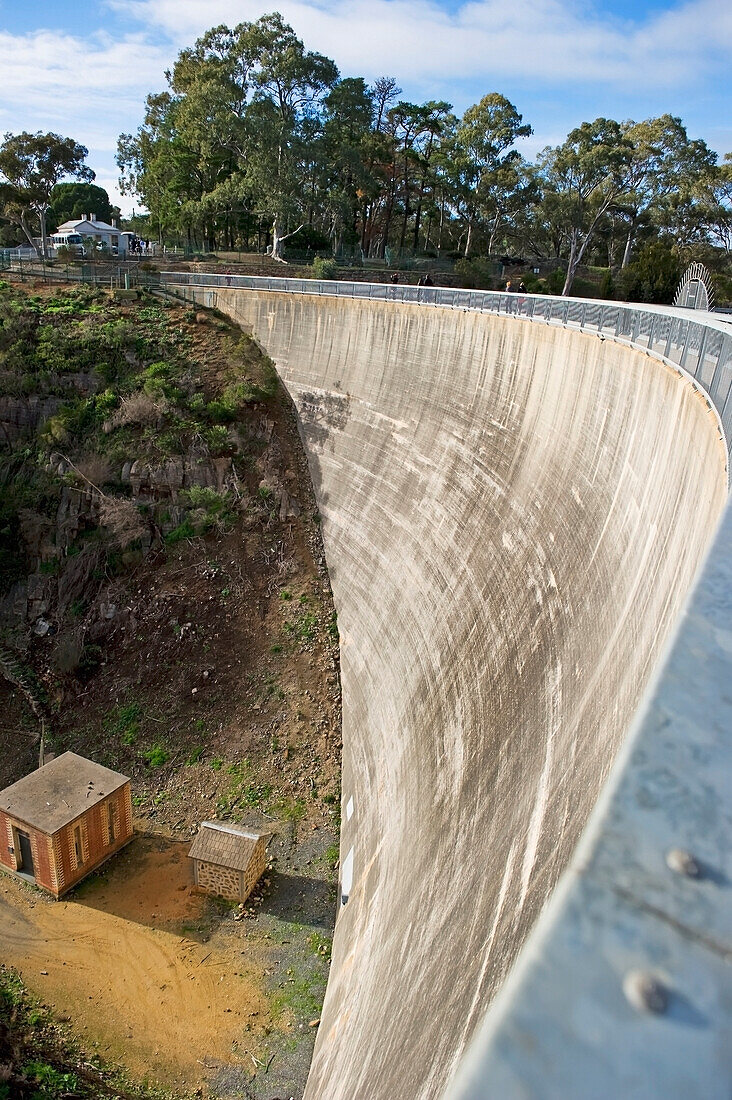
point(196, 652)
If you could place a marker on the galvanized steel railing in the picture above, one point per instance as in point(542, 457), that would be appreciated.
point(701, 348)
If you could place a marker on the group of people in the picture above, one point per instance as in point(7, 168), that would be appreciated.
point(138, 247)
point(520, 289)
point(424, 280)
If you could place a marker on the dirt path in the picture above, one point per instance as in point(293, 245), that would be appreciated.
point(113, 959)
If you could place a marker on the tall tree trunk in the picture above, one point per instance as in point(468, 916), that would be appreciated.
point(405, 221)
point(494, 232)
point(388, 214)
point(278, 238)
point(27, 232)
point(469, 240)
point(628, 245)
point(420, 197)
point(575, 255)
point(44, 245)
point(442, 223)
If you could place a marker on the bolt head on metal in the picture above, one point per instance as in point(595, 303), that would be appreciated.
point(683, 863)
point(645, 992)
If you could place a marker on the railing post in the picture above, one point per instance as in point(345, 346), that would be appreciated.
point(667, 349)
point(700, 354)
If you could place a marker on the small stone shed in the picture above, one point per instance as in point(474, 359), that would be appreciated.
point(228, 859)
point(60, 822)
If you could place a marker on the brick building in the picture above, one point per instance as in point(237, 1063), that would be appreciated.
point(63, 820)
point(227, 859)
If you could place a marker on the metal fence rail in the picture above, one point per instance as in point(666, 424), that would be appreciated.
point(702, 348)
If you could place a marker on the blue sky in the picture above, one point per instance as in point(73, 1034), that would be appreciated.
point(83, 70)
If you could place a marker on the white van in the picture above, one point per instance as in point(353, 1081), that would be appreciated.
point(73, 241)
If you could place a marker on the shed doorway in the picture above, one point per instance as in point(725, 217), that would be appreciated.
point(26, 854)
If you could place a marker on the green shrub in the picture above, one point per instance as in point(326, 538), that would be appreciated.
point(654, 274)
point(156, 756)
point(554, 281)
point(332, 628)
point(478, 272)
point(324, 267)
point(606, 289)
point(90, 658)
point(209, 510)
point(184, 530)
point(53, 1082)
point(217, 440)
point(124, 722)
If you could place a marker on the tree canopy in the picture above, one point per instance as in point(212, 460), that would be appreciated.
point(258, 141)
point(31, 166)
point(70, 201)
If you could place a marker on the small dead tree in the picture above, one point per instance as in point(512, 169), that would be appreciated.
point(122, 519)
point(120, 516)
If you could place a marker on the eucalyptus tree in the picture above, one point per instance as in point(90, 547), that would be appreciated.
point(289, 84)
point(435, 123)
point(348, 182)
point(485, 166)
point(723, 194)
point(414, 131)
point(230, 135)
point(669, 176)
point(211, 83)
point(32, 165)
point(582, 179)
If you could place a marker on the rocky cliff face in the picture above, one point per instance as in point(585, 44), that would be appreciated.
point(179, 451)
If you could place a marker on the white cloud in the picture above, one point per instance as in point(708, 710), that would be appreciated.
point(91, 89)
point(87, 89)
point(538, 40)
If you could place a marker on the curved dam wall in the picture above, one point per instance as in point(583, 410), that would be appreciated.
point(512, 516)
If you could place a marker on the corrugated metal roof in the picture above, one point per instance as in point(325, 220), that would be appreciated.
point(225, 845)
point(59, 792)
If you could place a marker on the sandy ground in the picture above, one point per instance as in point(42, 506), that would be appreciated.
point(122, 960)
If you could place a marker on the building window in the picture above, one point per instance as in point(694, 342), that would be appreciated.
point(113, 820)
point(78, 846)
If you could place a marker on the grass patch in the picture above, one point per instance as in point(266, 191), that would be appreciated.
point(156, 756)
point(242, 789)
point(124, 722)
point(321, 945)
point(302, 996)
point(290, 809)
point(303, 628)
point(331, 855)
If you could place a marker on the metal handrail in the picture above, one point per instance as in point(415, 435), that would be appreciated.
point(701, 348)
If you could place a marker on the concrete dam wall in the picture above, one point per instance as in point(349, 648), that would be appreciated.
point(513, 515)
